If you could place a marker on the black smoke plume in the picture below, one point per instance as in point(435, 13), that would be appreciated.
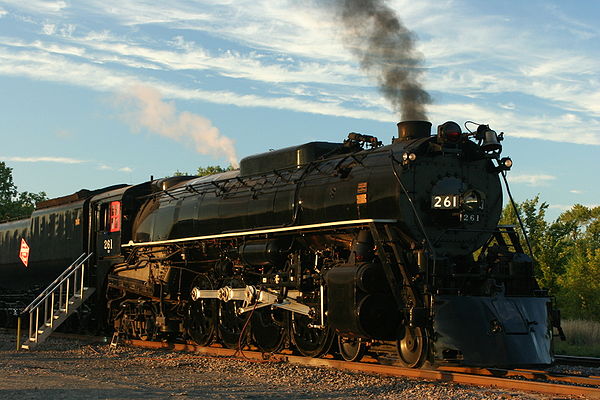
point(386, 50)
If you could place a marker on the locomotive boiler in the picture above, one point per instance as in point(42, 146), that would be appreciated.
point(353, 246)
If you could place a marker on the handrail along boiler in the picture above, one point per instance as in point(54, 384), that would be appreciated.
point(389, 249)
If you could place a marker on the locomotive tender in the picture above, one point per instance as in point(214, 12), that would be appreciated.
point(389, 249)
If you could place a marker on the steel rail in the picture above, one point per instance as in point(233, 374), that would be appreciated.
point(528, 374)
point(575, 360)
point(435, 375)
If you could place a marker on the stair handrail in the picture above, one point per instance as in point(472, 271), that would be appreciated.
point(52, 287)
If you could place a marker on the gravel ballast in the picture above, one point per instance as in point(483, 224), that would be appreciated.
point(69, 369)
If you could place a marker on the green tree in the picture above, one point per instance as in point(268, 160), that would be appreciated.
point(12, 203)
point(213, 169)
point(566, 253)
point(585, 223)
point(546, 240)
point(208, 170)
point(179, 173)
point(579, 292)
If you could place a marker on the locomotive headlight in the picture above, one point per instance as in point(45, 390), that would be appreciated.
point(408, 157)
point(472, 201)
point(506, 163)
point(449, 132)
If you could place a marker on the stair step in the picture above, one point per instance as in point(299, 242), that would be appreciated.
point(63, 303)
point(54, 318)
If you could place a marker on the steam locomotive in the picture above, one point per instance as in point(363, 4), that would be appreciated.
point(354, 246)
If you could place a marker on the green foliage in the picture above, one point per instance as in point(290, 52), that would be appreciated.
point(580, 282)
point(179, 173)
point(566, 254)
point(544, 238)
point(12, 203)
point(208, 170)
point(213, 169)
point(579, 293)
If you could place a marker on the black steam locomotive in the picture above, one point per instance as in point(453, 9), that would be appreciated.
point(394, 250)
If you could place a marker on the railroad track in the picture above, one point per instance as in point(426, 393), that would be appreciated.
point(538, 381)
point(574, 360)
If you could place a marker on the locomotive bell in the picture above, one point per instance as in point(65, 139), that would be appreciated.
point(490, 139)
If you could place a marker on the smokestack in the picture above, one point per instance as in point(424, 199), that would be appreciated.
point(413, 130)
point(385, 49)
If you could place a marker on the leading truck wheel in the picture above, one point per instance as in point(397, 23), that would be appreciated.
point(309, 340)
point(413, 347)
point(351, 349)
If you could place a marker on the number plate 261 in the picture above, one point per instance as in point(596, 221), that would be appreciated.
point(445, 202)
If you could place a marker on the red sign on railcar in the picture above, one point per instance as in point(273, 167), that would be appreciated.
point(115, 216)
point(24, 252)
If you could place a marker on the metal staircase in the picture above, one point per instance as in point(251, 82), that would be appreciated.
point(55, 304)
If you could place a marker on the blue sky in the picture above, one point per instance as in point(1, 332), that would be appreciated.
point(97, 92)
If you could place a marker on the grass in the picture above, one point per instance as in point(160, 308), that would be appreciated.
point(583, 338)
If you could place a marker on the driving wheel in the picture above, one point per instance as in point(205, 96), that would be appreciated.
point(201, 314)
point(269, 329)
point(231, 325)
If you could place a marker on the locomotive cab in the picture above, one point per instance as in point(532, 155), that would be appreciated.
point(107, 220)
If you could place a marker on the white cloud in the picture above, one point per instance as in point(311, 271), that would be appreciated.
point(508, 106)
point(65, 160)
point(3, 12)
point(104, 167)
point(49, 29)
point(573, 26)
point(531, 180)
point(52, 67)
point(141, 12)
point(576, 191)
point(63, 134)
point(57, 48)
point(38, 6)
point(295, 49)
point(59, 160)
point(228, 63)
